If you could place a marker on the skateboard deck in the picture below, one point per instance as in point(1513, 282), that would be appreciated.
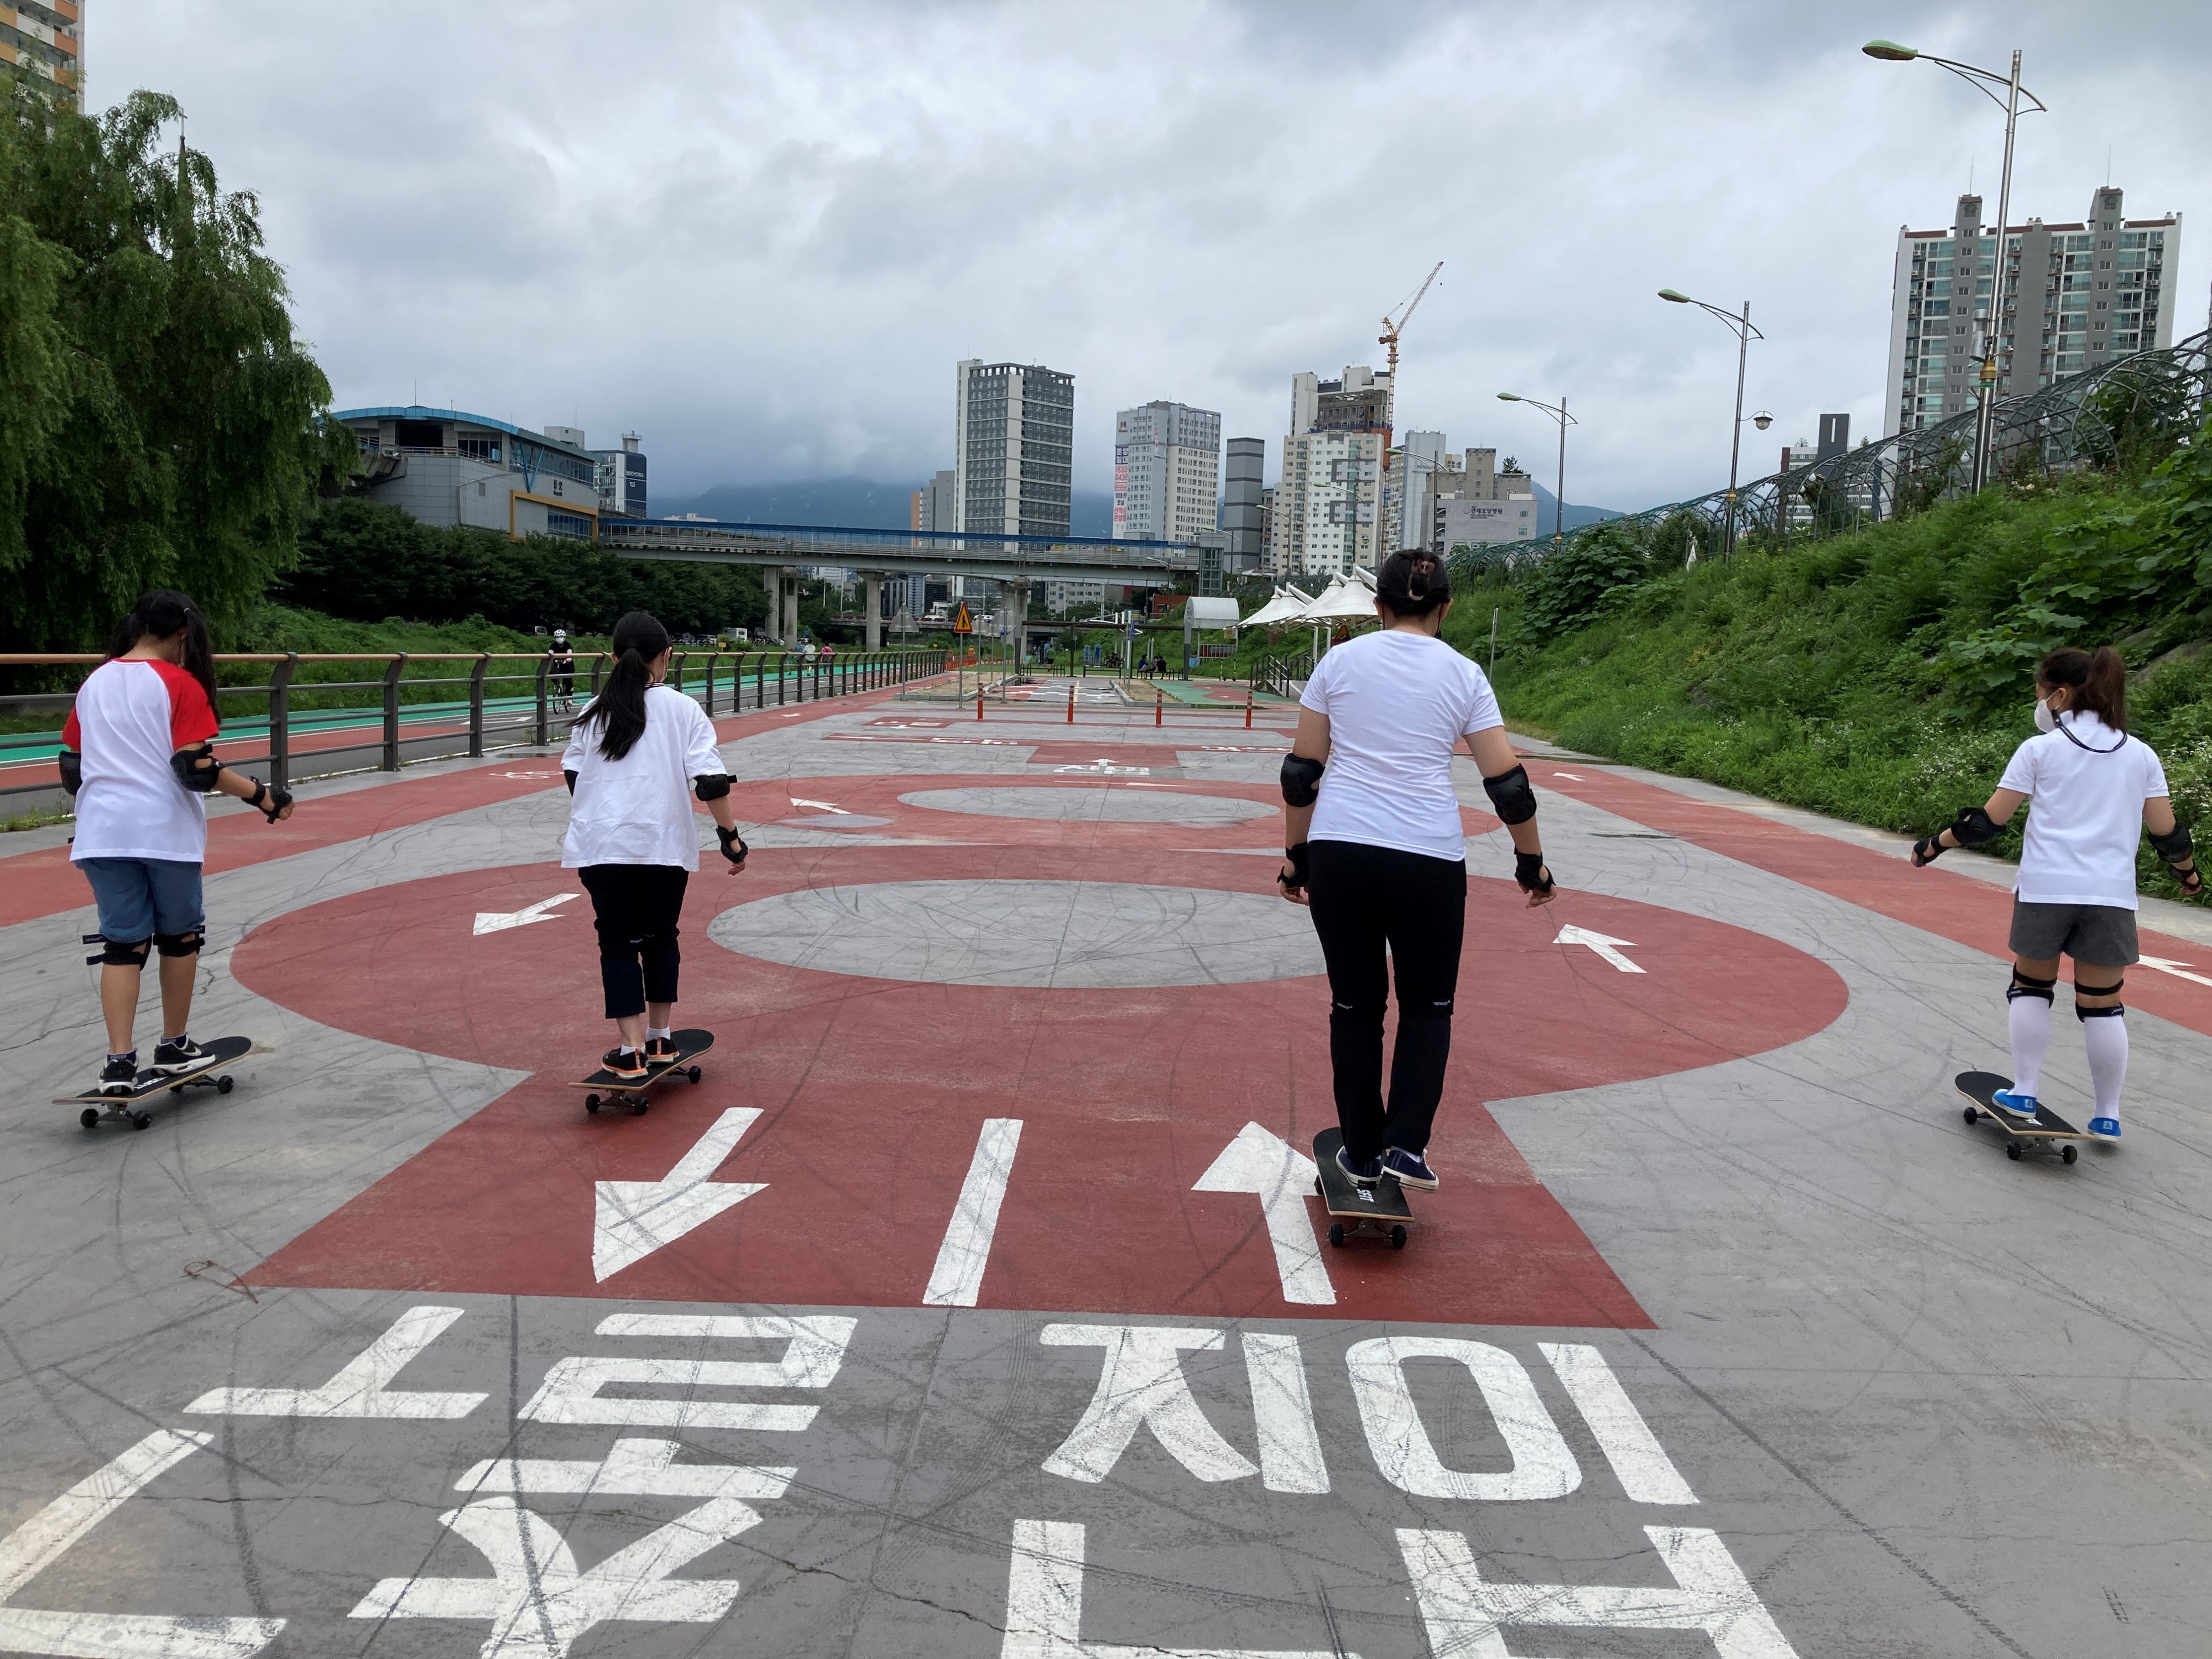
point(608, 1089)
point(220, 1053)
point(1371, 1209)
point(2049, 1130)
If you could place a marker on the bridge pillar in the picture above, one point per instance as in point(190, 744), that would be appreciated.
point(787, 607)
point(871, 603)
point(1017, 606)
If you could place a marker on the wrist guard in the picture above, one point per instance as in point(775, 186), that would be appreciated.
point(197, 768)
point(1300, 859)
point(270, 801)
point(1529, 871)
point(1927, 850)
point(1302, 780)
point(72, 765)
point(734, 847)
point(1510, 796)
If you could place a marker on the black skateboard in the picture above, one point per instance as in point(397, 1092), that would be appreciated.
point(1374, 1209)
point(2048, 1130)
point(122, 1107)
point(608, 1089)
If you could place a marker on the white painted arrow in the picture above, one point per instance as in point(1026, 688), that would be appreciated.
point(1573, 777)
point(636, 1218)
point(820, 805)
point(1600, 942)
point(1283, 1177)
point(495, 922)
point(2174, 969)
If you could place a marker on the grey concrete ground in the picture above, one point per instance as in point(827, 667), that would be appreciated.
point(1902, 1396)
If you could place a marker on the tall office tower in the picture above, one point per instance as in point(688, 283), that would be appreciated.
point(621, 479)
point(1325, 505)
point(1242, 506)
point(1167, 473)
point(1014, 449)
point(42, 44)
point(935, 505)
point(2075, 297)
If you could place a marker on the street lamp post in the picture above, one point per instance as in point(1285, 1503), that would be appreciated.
point(1745, 334)
point(1984, 81)
point(1558, 412)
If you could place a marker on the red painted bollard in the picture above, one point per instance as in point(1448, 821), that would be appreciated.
point(1071, 704)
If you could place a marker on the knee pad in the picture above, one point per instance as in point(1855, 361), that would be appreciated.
point(2112, 990)
point(2112, 1012)
point(187, 943)
point(117, 953)
point(2022, 986)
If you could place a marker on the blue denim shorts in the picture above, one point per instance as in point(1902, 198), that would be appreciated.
point(141, 897)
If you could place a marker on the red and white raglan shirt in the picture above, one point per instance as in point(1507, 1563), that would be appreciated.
point(130, 716)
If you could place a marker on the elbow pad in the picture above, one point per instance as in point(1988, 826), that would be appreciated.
point(2173, 846)
point(711, 786)
point(72, 765)
point(197, 768)
point(1511, 796)
point(1302, 780)
point(1973, 826)
point(570, 778)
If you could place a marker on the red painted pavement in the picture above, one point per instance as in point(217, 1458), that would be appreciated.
point(874, 1091)
point(1958, 908)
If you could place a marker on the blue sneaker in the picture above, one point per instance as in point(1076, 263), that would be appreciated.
point(1367, 1173)
point(2023, 1106)
point(1411, 1169)
point(2104, 1129)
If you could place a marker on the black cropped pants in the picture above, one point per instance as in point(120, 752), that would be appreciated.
point(1366, 900)
point(636, 906)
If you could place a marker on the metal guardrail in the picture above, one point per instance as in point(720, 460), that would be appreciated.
point(1284, 674)
point(474, 716)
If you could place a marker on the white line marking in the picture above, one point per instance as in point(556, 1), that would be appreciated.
point(631, 1219)
point(823, 804)
point(1571, 777)
point(634, 1467)
point(361, 1387)
point(1465, 1614)
point(1044, 1606)
point(1647, 1474)
point(957, 1278)
point(815, 1348)
point(1282, 1412)
point(495, 922)
point(1603, 943)
point(2174, 969)
point(42, 1540)
point(1282, 1176)
point(1141, 1384)
point(1543, 1467)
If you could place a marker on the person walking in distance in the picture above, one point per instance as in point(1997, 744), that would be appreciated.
point(1373, 843)
point(2093, 790)
point(563, 671)
point(138, 755)
point(637, 755)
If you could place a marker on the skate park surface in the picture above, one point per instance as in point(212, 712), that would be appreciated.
point(974, 1301)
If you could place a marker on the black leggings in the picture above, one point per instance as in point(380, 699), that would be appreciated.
point(636, 906)
point(1363, 898)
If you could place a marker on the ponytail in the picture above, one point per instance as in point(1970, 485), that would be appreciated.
point(1412, 583)
point(620, 706)
point(2098, 679)
point(165, 613)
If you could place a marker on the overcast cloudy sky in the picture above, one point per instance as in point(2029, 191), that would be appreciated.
point(762, 233)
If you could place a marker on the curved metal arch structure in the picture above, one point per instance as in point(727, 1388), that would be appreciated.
point(2086, 419)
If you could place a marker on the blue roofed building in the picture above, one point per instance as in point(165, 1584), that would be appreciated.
point(445, 466)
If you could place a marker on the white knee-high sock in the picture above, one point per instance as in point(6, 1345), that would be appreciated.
point(2108, 1060)
point(2029, 1018)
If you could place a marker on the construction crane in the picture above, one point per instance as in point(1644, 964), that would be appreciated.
point(1388, 340)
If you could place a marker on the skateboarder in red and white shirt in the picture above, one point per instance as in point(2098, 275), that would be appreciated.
point(138, 755)
point(2094, 790)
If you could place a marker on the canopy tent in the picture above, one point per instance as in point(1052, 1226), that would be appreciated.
point(1284, 606)
point(1342, 600)
point(1209, 613)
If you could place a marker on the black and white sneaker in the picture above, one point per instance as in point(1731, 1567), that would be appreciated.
point(182, 1055)
point(1411, 1169)
point(660, 1050)
point(624, 1065)
point(121, 1075)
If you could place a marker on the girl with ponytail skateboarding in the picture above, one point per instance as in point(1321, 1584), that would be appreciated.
point(1375, 848)
point(138, 756)
point(638, 753)
point(2093, 790)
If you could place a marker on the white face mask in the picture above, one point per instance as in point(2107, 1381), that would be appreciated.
point(2044, 720)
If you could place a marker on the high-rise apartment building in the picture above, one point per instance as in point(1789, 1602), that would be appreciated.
point(1167, 473)
point(1326, 507)
point(42, 41)
point(936, 505)
point(621, 479)
point(1406, 489)
point(2073, 297)
point(1244, 505)
point(1014, 449)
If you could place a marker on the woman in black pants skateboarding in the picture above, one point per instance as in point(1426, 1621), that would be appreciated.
point(636, 756)
point(1375, 848)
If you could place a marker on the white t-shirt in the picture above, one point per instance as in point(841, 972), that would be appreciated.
point(130, 717)
point(637, 810)
point(2086, 784)
point(1397, 702)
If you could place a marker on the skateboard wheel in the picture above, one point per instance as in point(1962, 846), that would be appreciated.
point(222, 1086)
point(1336, 1232)
point(176, 1088)
point(1398, 1238)
point(2012, 1151)
point(2067, 1154)
point(139, 1120)
point(590, 1103)
point(89, 1117)
point(1972, 1115)
point(637, 1109)
point(693, 1074)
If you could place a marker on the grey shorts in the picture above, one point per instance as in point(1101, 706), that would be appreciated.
point(2102, 934)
